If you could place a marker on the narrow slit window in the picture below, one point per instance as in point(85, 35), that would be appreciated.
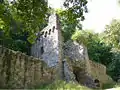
point(46, 34)
point(53, 29)
point(49, 31)
point(42, 33)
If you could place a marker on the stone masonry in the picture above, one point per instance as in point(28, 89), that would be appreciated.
point(50, 58)
point(20, 71)
point(84, 68)
point(48, 44)
point(50, 48)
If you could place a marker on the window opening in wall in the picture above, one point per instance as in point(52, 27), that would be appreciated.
point(42, 50)
point(46, 34)
point(49, 31)
point(53, 29)
point(79, 74)
point(42, 33)
point(97, 82)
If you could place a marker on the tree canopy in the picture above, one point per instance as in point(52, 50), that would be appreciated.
point(21, 19)
point(72, 16)
point(111, 36)
point(97, 49)
point(112, 33)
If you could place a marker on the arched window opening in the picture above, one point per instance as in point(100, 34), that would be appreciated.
point(53, 29)
point(97, 82)
point(79, 74)
point(46, 34)
point(49, 31)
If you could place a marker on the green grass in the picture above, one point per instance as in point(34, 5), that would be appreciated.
point(62, 85)
point(112, 86)
point(108, 85)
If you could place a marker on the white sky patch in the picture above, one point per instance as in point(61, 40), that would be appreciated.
point(101, 12)
point(55, 3)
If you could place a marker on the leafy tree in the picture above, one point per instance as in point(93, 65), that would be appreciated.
point(72, 15)
point(97, 50)
point(80, 37)
point(111, 36)
point(19, 21)
point(113, 68)
point(75, 9)
point(67, 27)
point(31, 13)
point(112, 33)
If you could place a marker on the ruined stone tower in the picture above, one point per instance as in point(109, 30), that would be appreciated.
point(71, 61)
point(48, 45)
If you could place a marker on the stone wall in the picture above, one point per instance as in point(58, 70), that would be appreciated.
point(69, 62)
point(74, 51)
point(98, 71)
point(77, 54)
point(18, 70)
point(49, 46)
point(86, 71)
point(48, 43)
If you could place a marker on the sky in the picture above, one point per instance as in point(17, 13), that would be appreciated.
point(101, 13)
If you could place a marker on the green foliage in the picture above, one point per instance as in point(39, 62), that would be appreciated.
point(19, 21)
point(23, 18)
point(97, 50)
point(81, 37)
point(31, 14)
point(100, 50)
point(70, 17)
point(111, 37)
point(75, 9)
point(114, 66)
point(112, 33)
point(112, 86)
point(108, 85)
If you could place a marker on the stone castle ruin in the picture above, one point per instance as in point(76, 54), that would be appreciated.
point(50, 58)
point(48, 45)
point(76, 64)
